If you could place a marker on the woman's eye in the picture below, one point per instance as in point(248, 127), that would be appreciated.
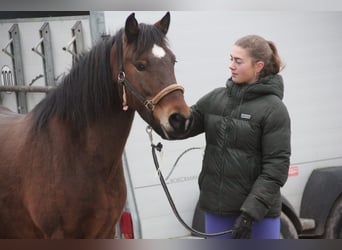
point(140, 66)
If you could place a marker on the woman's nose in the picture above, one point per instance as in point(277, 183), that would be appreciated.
point(231, 66)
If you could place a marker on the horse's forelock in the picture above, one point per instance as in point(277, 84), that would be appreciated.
point(148, 36)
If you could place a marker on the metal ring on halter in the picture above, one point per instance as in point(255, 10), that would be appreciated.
point(121, 76)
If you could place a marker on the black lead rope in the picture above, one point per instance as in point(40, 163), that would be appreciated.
point(159, 147)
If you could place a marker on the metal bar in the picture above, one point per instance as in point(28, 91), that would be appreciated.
point(35, 48)
point(77, 32)
point(24, 89)
point(6, 46)
point(48, 60)
point(76, 45)
point(67, 47)
point(46, 54)
point(18, 67)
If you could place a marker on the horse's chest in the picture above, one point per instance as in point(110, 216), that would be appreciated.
point(87, 213)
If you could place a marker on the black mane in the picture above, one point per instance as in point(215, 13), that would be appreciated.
point(88, 91)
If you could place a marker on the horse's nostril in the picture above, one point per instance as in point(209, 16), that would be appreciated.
point(177, 121)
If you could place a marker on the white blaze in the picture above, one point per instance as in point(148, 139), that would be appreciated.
point(158, 51)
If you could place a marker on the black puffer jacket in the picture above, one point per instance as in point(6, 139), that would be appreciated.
point(247, 131)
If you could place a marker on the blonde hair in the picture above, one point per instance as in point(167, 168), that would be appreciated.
point(262, 50)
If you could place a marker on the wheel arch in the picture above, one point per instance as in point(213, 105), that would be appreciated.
point(288, 209)
point(320, 194)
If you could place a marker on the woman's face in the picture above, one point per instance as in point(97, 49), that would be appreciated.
point(242, 67)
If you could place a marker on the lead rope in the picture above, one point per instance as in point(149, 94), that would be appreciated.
point(159, 147)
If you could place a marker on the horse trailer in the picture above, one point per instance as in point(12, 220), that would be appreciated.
point(38, 50)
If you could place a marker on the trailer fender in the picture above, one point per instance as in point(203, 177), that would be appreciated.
point(321, 192)
point(288, 209)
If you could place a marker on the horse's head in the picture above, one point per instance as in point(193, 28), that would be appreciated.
point(144, 66)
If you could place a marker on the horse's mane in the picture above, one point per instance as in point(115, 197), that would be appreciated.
point(88, 91)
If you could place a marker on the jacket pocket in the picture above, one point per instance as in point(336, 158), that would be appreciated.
point(241, 132)
point(246, 135)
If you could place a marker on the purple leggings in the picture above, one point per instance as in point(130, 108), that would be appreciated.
point(267, 228)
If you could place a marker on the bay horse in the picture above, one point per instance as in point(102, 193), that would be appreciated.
point(61, 173)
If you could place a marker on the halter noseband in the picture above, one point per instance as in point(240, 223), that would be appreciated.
point(122, 80)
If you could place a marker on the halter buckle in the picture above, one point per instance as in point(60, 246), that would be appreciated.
point(149, 104)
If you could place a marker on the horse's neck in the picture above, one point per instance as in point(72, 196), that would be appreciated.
point(106, 141)
point(111, 133)
point(101, 142)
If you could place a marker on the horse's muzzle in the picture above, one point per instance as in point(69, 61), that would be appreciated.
point(180, 126)
point(178, 122)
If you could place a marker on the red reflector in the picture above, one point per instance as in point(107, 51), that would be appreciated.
point(126, 226)
point(293, 171)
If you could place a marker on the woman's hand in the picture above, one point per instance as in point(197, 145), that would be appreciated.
point(243, 227)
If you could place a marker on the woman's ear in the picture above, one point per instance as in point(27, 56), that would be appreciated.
point(259, 65)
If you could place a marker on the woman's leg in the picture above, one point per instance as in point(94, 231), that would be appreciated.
point(216, 223)
point(267, 228)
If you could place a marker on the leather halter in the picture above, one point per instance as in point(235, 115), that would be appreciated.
point(122, 80)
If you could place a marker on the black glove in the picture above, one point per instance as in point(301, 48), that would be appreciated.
point(243, 227)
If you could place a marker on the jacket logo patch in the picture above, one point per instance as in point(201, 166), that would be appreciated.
point(246, 116)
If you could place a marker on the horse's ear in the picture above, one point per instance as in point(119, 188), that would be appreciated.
point(131, 28)
point(164, 23)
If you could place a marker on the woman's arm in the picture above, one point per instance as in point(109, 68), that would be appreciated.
point(276, 151)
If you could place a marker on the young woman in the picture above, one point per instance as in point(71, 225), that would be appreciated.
point(247, 131)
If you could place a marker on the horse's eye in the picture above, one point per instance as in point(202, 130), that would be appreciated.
point(140, 66)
